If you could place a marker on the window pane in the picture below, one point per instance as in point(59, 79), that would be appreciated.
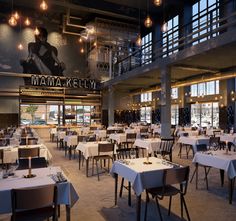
point(174, 114)
point(194, 90)
point(195, 114)
point(52, 114)
point(215, 114)
point(174, 93)
point(206, 114)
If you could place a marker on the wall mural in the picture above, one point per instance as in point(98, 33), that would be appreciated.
point(42, 56)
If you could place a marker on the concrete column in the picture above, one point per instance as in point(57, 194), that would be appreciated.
point(165, 102)
point(111, 105)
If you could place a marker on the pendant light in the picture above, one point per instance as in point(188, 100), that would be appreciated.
point(27, 22)
point(43, 5)
point(13, 20)
point(148, 20)
point(164, 27)
point(157, 2)
point(139, 39)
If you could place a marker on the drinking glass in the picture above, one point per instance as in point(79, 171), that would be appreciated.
point(132, 154)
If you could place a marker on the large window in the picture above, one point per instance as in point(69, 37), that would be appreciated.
point(146, 97)
point(205, 114)
point(146, 114)
point(175, 114)
point(170, 36)
point(147, 49)
point(205, 13)
point(206, 88)
point(174, 93)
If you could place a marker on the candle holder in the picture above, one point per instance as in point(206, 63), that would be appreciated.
point(29, 175)
point(147, 160)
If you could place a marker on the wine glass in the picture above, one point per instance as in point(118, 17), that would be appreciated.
point(13, 168)
point(132, 154)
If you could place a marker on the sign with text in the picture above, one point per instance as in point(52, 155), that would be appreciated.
point(51, 81)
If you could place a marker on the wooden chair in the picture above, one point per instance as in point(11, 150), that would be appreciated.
point(130, 139)
point(37, 203)
point(1, 156)
point(171, 177)
point(166, 147)
point(28, 152)
point(105, 152)
point(38, 162)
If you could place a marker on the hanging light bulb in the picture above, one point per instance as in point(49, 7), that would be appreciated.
point(164, 27)
point(36, 31)
point(27, 22)
point(148, 22)
point(16, 16)
point(95, 44)
point(80, 40)
point(157, 2)
point(12, 21)
point(139, 41)
point(82, 50)
point(43, 5)
point(20, 47)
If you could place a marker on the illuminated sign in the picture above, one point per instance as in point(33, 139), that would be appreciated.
point(51, 81)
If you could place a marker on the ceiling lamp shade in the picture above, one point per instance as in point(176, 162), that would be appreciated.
point(16, 16)
point(43, 5)
point(36, 31)
point(27, 22)
point(139, 41)
point(157, 2)
point(148, 22)
point(20, 47)
point(164, 27)
point(12, 21)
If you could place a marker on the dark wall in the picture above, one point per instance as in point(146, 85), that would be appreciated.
point(7, 120)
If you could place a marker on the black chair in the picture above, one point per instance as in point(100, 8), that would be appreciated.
point(39, 162)
point(130, 139)
point(37, 203)
point(214, 143)
point(166, 147)
point(105, 152)
point(171, 177)
point(202, 148)
point(28, 152)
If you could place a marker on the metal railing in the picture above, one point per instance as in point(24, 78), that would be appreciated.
point(207, 25)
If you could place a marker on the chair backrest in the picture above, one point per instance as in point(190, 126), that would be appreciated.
point(201, 147)
point(28, 152)
point(32, 141)
point(82, 138)
point(38, 162)
point(91, 138)
point(177, 175)
point(119, 131)
point(216, 132)
point(144, 130)
point(111, 131)
point(1, 155)
point(105, 147)
point(166, 145)
point(34, 198)
point(130, 136)
point(214, 141)
point(125, 153)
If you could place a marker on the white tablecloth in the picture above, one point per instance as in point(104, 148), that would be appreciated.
point(157, 130)
point(189, 132)
point(66, 192)
point(194, 141)
point(10, 154)
point(101, 133)
point(218, 159)
point(119, 138)
point(150, 144)
point(115, 128)
point(142, 176)
point(228, 138)
point(90, 149)
point(71, 140)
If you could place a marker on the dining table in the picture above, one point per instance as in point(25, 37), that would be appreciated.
point(67, 195)
point(142, 173)
point(223, 160)
point(89, 149)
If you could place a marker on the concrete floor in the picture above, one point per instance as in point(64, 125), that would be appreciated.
point(96, 201)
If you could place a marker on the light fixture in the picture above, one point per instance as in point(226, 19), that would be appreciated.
point(43, 5)
point(82, 50)
point(95, 44)
point(12, 21)
point(36, 31)
point(80, 40)
point(164, 27)
point(148, 20)
point(27, 22)
point(16, 15)
point(20, 47)
point(157, 2)
point(139, 40)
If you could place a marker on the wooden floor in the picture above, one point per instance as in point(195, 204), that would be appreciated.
point(96, 201)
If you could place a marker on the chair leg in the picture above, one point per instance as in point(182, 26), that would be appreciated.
point(97, 169)
point(186, 209)
point(194, 172)
point(159, 209)
point(206, 177)
point(169, 205)
point(92, 167)
point(121, 186)
point(181, 205)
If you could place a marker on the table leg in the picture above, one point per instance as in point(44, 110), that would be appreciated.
point(196, 175)
point(87, 165)
point(231, 189)
point(138, 207)
point(116, 187)
point(222, 172)
point(80, 155)
point(67, 213)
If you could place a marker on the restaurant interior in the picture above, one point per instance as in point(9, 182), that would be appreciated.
point(117, 110)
